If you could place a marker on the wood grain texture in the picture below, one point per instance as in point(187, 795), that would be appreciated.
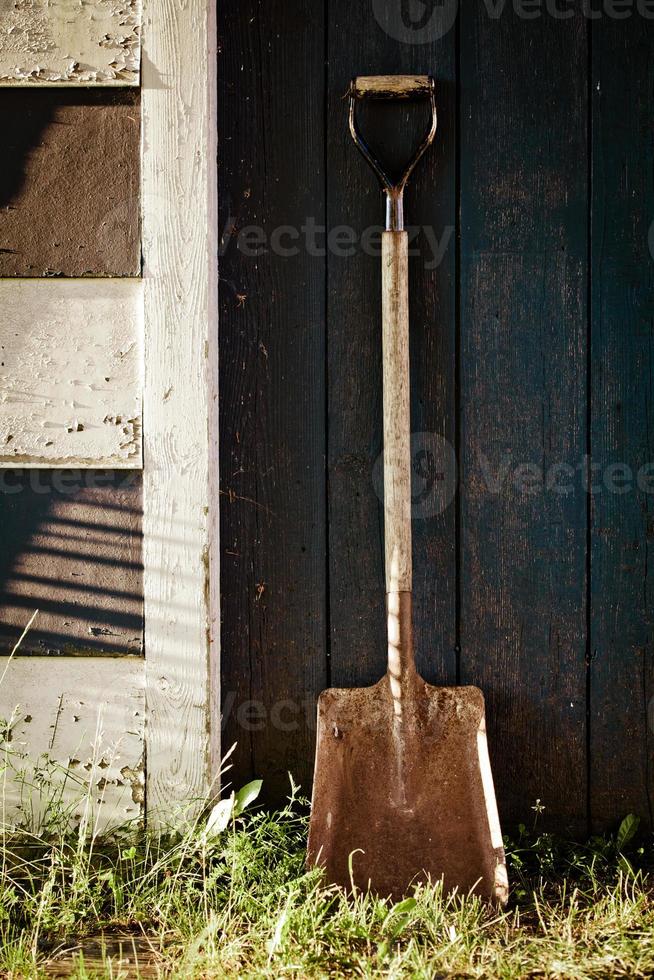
point(71, 372)
point(69, 183)
point(71, 547)
point(273, 387)
point(179, 245)
point(397, 410)
point(114, 950)
point(391, 86)
point(523, 403)
point(537, 376)
point(358, 44)
point(622, 399)
point(82, 722)
point(70, 42)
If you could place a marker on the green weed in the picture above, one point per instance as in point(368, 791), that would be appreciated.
point(231, 897)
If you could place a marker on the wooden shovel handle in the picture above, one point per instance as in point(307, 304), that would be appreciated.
point(397, 411)
point(391, 86)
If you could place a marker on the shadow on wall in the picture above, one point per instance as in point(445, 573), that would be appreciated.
point(25, 131)
point(69, 206)
point(71, 548)
point(69, 183)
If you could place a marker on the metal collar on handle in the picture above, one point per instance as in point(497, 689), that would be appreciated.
point(394, 190)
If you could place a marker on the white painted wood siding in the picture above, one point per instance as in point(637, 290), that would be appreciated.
point(71, 370)
point(180, 547)
point(69, 42)
point(72, 726)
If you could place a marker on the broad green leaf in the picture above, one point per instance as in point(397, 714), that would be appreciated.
point(398, 918)
point(400, 908)
point(627, 830)
point(246, 795)
point(219, 817)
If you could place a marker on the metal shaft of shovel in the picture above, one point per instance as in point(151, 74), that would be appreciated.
point(403, 790)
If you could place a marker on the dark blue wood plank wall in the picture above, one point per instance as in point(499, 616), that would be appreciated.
point(272, 384)
point(531, 334)
point(524, 258)
point(619, 345)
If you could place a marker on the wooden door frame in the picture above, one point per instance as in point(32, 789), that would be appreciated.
point(177, 430)
point(180, 426)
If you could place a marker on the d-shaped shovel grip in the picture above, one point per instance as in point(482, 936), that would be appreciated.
point(393, 87)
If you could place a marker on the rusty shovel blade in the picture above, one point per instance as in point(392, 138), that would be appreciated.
point(405, 796)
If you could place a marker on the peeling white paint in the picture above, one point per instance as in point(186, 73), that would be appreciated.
point(70, 42)
point(180, 529)
point(76, 722)
point(71, 373)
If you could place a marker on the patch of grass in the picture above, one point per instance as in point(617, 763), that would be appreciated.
point(230, 897)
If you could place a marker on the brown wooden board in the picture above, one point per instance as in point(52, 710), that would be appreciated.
point(71, 548)
point(129, 954)
point(363, 41)
point(272, 387)
point(524, 257)
point(69, 183)
point(622, 398)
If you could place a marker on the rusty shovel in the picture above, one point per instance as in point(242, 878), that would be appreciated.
point(403, 790)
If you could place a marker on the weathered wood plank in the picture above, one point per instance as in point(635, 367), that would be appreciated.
point(71, 547)
point(360, 44)
point(180, 279)
point(523, 402)
point(69, 183)
point(81, 725)
point(622, 664)
point(124, 954)
point(272, 387)
point(71, 373)
point(391, 86)
point(70, 42)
